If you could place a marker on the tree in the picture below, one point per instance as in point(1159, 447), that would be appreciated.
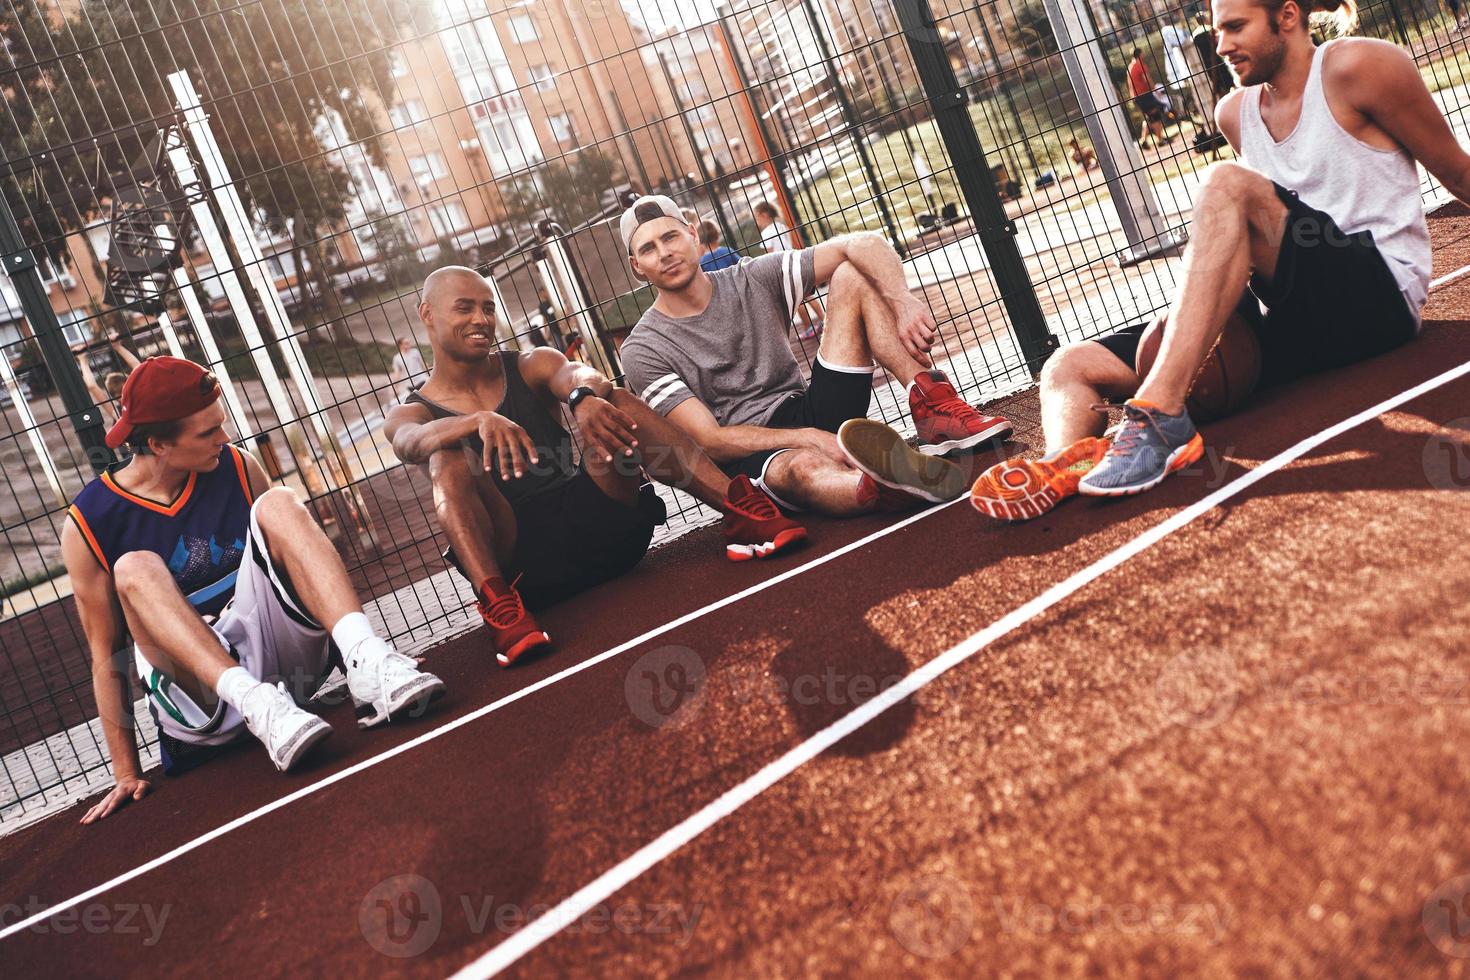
point(395, 248)
point(570, 192)
point(89, 92)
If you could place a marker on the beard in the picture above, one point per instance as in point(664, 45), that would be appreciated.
point(1266, 62)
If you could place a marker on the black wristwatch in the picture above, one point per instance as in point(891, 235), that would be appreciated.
point(575, 398)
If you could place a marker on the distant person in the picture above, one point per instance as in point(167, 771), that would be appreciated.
point(716, 256)
point(224, 592)
point(1460, 22)
point(775, 237)
point(1141, 86)
point(106, 394)
point(408, 366)
point(690, 215)
point(527, 524)
point(1083, 157)
point(710, 355)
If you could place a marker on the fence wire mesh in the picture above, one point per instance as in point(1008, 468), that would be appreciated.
point(261, 186)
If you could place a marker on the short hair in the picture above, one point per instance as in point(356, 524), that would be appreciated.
point(709, 233)
point(690, 215)
point(113, 382)
point(162, 431)
point(1137, 53)
point(766, 208)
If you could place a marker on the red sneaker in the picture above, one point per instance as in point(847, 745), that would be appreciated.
point(754, 526)
point(886, 499)
point(946, 422)
point(512, 628)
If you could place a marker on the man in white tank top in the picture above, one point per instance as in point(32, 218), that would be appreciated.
point(1317, 237)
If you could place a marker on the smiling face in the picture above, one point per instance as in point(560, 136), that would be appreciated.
point(458, 310)
point(665, 252)
point(1253, 39)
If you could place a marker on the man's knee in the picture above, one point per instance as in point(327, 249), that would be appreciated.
point(450, 467)
point(138, 572)
point(1233, 184)
point(796, 469)
point(847, 280)
point(1077, 363)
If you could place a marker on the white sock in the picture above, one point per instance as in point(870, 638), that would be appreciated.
point(351, 630)
point(234, 685)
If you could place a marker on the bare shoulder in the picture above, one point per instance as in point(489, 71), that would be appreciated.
point(540, 364)
point(1367, 62)
point(1227, 115)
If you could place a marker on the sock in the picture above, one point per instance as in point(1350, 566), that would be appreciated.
point(351, 630)
point(234, 685)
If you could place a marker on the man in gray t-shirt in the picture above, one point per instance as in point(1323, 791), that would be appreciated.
point(711, 355)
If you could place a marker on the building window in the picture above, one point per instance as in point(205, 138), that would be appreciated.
point(563, 130)
point(397, 64)
point(542, 77)
point(507, 137)
point(407, 113)
point(522, 29)
point(427, 168)
point(449, 218)
point(74, 326)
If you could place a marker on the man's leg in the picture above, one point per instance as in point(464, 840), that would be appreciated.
point(474, 514)
point(1237, 228)
point(861, 329)
point(170, 633)
point(665, 451)
point(816, 482)
point(298, 546)
point(1076, 378)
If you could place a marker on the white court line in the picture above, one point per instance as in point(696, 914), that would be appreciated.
point(478, 713)
point(591, 895)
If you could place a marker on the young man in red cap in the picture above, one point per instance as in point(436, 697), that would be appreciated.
point(526, 525)
point(712, 356)
point(236, 602)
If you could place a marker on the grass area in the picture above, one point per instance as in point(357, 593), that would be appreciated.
point(25, 583)
point(325, 359)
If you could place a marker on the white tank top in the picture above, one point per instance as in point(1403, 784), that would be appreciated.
point(1362, 187)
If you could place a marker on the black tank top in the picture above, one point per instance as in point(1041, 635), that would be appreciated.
point(523, 407)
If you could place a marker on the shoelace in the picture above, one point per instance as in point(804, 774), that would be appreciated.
point(507, 609)
point(267, 716)
point(1129, 432)
point(756, 505)
point(952, 405)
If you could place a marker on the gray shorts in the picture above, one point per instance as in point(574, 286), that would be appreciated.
point(266, 630)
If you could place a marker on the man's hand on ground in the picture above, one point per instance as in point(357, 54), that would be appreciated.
point(128, 789)
point(513, 444)
point(917, 330)
point(607, 429)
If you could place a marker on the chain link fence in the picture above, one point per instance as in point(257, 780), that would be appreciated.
point(261, 185)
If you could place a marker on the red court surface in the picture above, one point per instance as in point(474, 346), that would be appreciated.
point(1241, 750)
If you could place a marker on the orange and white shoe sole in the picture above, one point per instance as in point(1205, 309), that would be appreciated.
point(526, 643)
point(1021, 489)
point(750, 552)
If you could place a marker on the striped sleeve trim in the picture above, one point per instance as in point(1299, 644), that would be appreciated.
point(791, 279)
point(669, 386)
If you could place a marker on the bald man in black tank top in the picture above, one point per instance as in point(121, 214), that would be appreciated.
point(526, 524)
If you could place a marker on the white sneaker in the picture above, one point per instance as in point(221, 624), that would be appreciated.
point(287, 731)
point(385, 684)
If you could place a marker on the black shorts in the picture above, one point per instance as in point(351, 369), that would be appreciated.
point(832, 397)
point(574, 536)
point(1332, 302)
point(1150, 106)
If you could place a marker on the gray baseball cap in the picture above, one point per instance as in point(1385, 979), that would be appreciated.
point(649, 207)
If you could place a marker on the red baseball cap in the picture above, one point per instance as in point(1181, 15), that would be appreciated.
point(162, 389)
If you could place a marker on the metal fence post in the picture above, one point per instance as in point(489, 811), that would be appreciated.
point(996, 231)
point(20, 265)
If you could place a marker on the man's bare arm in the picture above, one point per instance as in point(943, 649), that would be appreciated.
point(415, 434)
point(1381, 81)
point(870, 254)
point(726, 443)
point(1227, 117)
point(102, 624)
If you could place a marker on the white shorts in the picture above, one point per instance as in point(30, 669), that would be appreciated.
point(270, 635)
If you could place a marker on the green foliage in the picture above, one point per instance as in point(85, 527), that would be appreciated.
point(101, 67)
point(397, 249)
point(1033, 31)
point(570, 191)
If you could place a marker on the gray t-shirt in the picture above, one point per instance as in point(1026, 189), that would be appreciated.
point(734, 356)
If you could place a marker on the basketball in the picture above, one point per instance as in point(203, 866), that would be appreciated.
point(1229, 375)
